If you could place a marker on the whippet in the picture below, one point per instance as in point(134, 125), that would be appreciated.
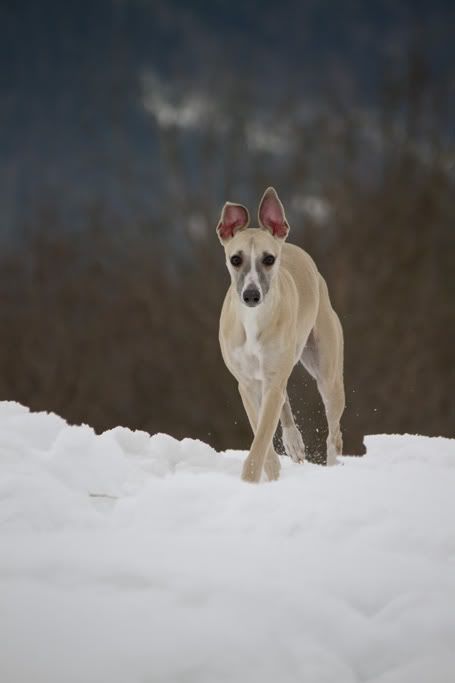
point(277, 312)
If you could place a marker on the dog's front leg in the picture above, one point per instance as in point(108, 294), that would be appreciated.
point(269, 415)
point(251, 402)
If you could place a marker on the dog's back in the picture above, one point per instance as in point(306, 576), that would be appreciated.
point(326, 338)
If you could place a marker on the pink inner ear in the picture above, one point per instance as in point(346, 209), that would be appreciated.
point(234, 217)
point(271, 215)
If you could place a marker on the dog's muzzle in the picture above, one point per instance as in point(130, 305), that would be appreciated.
point(251, 296)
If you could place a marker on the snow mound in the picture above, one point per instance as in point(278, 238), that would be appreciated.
point(130, 557)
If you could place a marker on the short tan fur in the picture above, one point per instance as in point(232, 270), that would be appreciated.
point(276, 313)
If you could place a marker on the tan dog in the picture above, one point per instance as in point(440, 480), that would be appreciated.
point(276, 313)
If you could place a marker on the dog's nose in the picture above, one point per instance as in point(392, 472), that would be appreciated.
point(251, 296)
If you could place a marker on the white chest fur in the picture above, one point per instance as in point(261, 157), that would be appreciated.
point(248, 356)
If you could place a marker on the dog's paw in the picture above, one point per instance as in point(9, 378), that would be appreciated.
point(251, 472)
point(293, 444)
point(272, 466)
point(332, 460)
point(334, 449)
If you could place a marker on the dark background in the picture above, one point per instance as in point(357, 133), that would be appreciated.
point(125, 125)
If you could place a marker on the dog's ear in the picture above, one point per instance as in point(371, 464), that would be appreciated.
point(234, 217)
point(271, 214)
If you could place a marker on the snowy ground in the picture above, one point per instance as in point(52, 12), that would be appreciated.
point(187, 575)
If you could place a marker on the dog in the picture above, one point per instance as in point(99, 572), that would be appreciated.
point(277, 312)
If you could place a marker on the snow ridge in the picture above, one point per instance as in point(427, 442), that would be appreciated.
point(130, 557)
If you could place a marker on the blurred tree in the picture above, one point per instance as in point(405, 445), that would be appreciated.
point(115, 322)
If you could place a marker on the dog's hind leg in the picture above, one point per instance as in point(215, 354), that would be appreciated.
point(250, 399)
point(292, 438)
point(334, 403)
point(323, 359)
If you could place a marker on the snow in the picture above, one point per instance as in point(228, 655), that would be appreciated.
point(129, 557)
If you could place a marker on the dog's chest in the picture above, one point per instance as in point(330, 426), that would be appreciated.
point(247, 357)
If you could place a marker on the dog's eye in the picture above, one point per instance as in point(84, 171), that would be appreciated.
point(268, 260)
point(236, 260)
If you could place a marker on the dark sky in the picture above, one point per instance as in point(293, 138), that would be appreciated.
point(43, 44)
point(70, 71)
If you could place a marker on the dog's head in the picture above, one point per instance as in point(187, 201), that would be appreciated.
point(253, 254)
